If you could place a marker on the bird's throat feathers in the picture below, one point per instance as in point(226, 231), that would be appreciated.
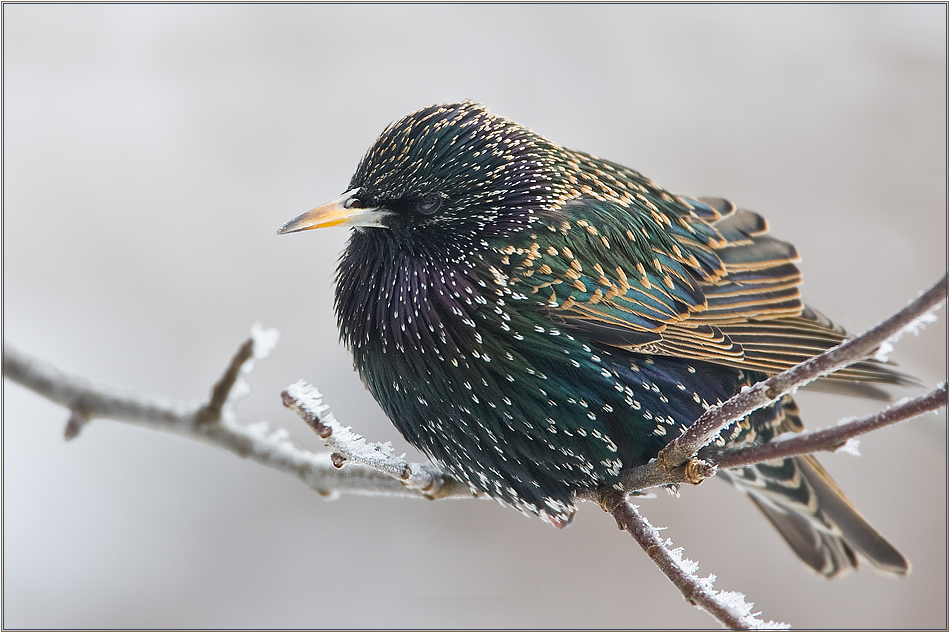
point(407, 302)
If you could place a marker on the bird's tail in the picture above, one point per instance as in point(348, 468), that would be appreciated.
point(812, 514)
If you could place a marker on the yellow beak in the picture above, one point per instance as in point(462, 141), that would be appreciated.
point(339, 212)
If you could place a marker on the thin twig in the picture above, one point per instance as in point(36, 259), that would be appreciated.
point(211, 412)
point(705, 429)
point(77, 420)
point(669, 464)
point(374, 469)
point(98, 401)
point(729, 607)
point(255, 441)
point(833, 438)
point(351, 448)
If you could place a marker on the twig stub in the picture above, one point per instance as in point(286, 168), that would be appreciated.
point(697, 471)
point(211, 412)
point(78, 418)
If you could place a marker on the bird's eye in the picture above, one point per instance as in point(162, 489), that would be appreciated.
point(429, 203)
point(351, 202)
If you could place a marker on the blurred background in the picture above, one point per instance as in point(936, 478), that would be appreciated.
point(152, 151)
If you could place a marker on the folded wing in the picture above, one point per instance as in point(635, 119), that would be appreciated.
point(691, 278)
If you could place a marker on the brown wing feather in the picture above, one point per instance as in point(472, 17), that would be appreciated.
point(704, 281)
point(754, 317)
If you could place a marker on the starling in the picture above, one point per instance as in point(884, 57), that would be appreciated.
point(537, 320)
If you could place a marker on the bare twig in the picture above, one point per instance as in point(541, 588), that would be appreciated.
point(729, 607)
point(87, 401)
point(77, 420)
point(211, 412)
point(833, 438)
point(98, 401)
point(705, 429)
point(668, 467)
point(375, 469)
point(212, 422)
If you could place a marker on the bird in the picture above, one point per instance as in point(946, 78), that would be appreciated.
point(538, 320)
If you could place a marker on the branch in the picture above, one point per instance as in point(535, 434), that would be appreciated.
point(221, 392)
point(729, 607)
point(375, 469)
point(675, 462)
point(351, 448)
point(834, 438)
point(213, 422)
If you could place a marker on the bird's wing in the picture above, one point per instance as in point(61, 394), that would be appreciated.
point(692, 278)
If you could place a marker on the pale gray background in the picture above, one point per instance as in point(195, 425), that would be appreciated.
point(152, 151)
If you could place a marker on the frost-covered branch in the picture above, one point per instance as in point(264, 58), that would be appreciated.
point(350, 448)
point(729, 607)
point(374, 469)
point(213, 422)
point(676, 462)
point(836, 437)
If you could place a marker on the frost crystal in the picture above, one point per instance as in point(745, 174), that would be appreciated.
point(914, 326)
point(732, 601)
point(850, 447)
point(884, 351)
point(265, 340)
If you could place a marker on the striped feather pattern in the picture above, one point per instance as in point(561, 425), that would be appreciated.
point(696, 278)
point(805, 505)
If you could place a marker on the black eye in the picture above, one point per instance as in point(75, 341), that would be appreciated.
point(429, 203)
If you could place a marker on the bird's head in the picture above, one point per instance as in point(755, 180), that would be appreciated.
point(448, 170)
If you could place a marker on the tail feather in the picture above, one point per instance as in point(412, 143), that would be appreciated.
point(854, 527)
point(812, 514)
point(826, 553)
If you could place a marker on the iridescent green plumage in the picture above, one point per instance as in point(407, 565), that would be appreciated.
point(537, 320)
